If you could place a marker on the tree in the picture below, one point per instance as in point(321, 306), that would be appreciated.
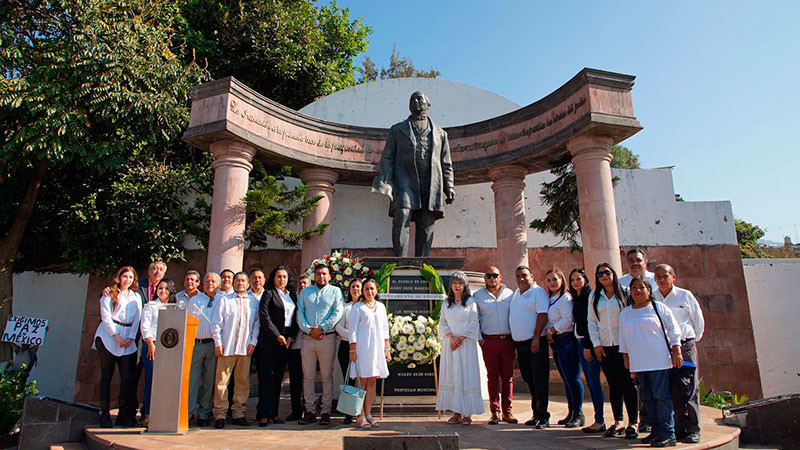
point(561, 197)
point(272, 208)
point(398, 68)
point(89, 86)
point(748, 235)
point(289, 50)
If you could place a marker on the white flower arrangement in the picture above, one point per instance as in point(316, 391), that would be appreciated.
point(344, 266)
point(413, 341)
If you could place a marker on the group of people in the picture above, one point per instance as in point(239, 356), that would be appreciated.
point(640, 330)
point(277, 320)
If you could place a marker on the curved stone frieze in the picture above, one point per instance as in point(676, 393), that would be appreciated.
point(534, 137)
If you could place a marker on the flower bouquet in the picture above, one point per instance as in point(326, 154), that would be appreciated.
point(413, 341)
point(344, 266)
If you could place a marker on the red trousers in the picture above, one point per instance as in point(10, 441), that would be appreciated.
point(499, 356)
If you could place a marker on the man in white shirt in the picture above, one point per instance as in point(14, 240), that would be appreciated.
point(204, 361)
point(684, 386)
point(234, 328)
point(257, 281)
point(494, 301)
point(527, 320)
point(191, 285)
point(225, 282)
point(637, 265)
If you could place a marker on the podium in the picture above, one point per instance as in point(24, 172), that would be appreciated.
point(169, 399)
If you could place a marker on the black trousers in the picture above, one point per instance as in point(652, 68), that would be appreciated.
point(296, 380)
point(127, 366)
point(686, 393)
point(620, 384)
point(535, 370)
point(271, 359)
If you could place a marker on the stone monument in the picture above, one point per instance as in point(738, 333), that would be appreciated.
point(417, 174)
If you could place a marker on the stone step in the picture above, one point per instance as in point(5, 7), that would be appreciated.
point(69, 446)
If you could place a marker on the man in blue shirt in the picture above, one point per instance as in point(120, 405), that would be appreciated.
point(319, 307)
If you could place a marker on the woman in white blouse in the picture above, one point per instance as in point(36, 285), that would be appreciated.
point(560, 333)
point(459, 373)
point(369, 346)
point(605, 303)
point(165, 293)
point(342, 329)
point(114, 341)
point(649, 339)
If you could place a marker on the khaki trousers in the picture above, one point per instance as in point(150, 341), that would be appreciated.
point(324, 351)
point(239, 367)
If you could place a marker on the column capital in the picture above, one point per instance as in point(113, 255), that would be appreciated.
point(508, 176)
point(589, 142)
point(232, 154)
point(319, 178)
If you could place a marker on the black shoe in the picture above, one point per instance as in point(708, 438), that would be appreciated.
point(307, 419)
point(692, 438)
point(664, 443)
point(542, 423)
point(612, 431)
point(241, 421)
point(277, 420)
point(648, 440)
point(578, 420)
point(124, 420)
point(565, 419)
point(202, 422)
point(294, 416)
point(347, 420)
point(590, 430)
point(263, 422)
point(219, 423)
point(105, 420)
point(325, 419)
point(532, 422)
point(631, 433)
point(494, 420)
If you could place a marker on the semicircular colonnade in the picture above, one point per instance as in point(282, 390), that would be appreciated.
point(583, 118)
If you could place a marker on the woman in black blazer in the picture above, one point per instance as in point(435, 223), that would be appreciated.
point(277, 313)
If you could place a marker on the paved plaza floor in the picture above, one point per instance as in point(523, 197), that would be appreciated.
point(479, 435)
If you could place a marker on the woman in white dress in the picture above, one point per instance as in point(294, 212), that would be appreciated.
point(369, 346)
point(459, 373)
point(115, 343)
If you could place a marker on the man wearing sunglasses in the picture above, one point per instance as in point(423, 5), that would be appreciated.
point(499, 352)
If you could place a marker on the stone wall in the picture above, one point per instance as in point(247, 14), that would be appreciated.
point(713, 273)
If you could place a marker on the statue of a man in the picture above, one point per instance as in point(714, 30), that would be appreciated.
point(416, 162)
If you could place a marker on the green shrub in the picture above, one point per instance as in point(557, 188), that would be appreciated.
point(719, 400)
point(13, 391)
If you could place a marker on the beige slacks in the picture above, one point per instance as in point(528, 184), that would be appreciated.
point(239, 367)
point(324, 351)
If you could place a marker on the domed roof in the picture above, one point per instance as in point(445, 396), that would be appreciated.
point(383, 103)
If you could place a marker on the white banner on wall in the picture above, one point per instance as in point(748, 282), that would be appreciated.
point(22, 330)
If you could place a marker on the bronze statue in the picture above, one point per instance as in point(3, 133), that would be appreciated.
point(416, 164)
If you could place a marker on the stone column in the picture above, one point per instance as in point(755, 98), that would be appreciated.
point(509, 214)
point(226, 235)
point(591, 156)
point(319, 181)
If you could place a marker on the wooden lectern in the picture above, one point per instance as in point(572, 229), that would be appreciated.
point(169, 399)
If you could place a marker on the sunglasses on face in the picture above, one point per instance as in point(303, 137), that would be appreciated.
point(492, 275)
point(604, 273)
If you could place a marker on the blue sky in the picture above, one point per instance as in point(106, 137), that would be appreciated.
point(717, 87)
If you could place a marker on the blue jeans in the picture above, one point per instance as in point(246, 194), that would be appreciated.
point(565, 356)
point(591, 371)
point(655, 394)
point(148, 378)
